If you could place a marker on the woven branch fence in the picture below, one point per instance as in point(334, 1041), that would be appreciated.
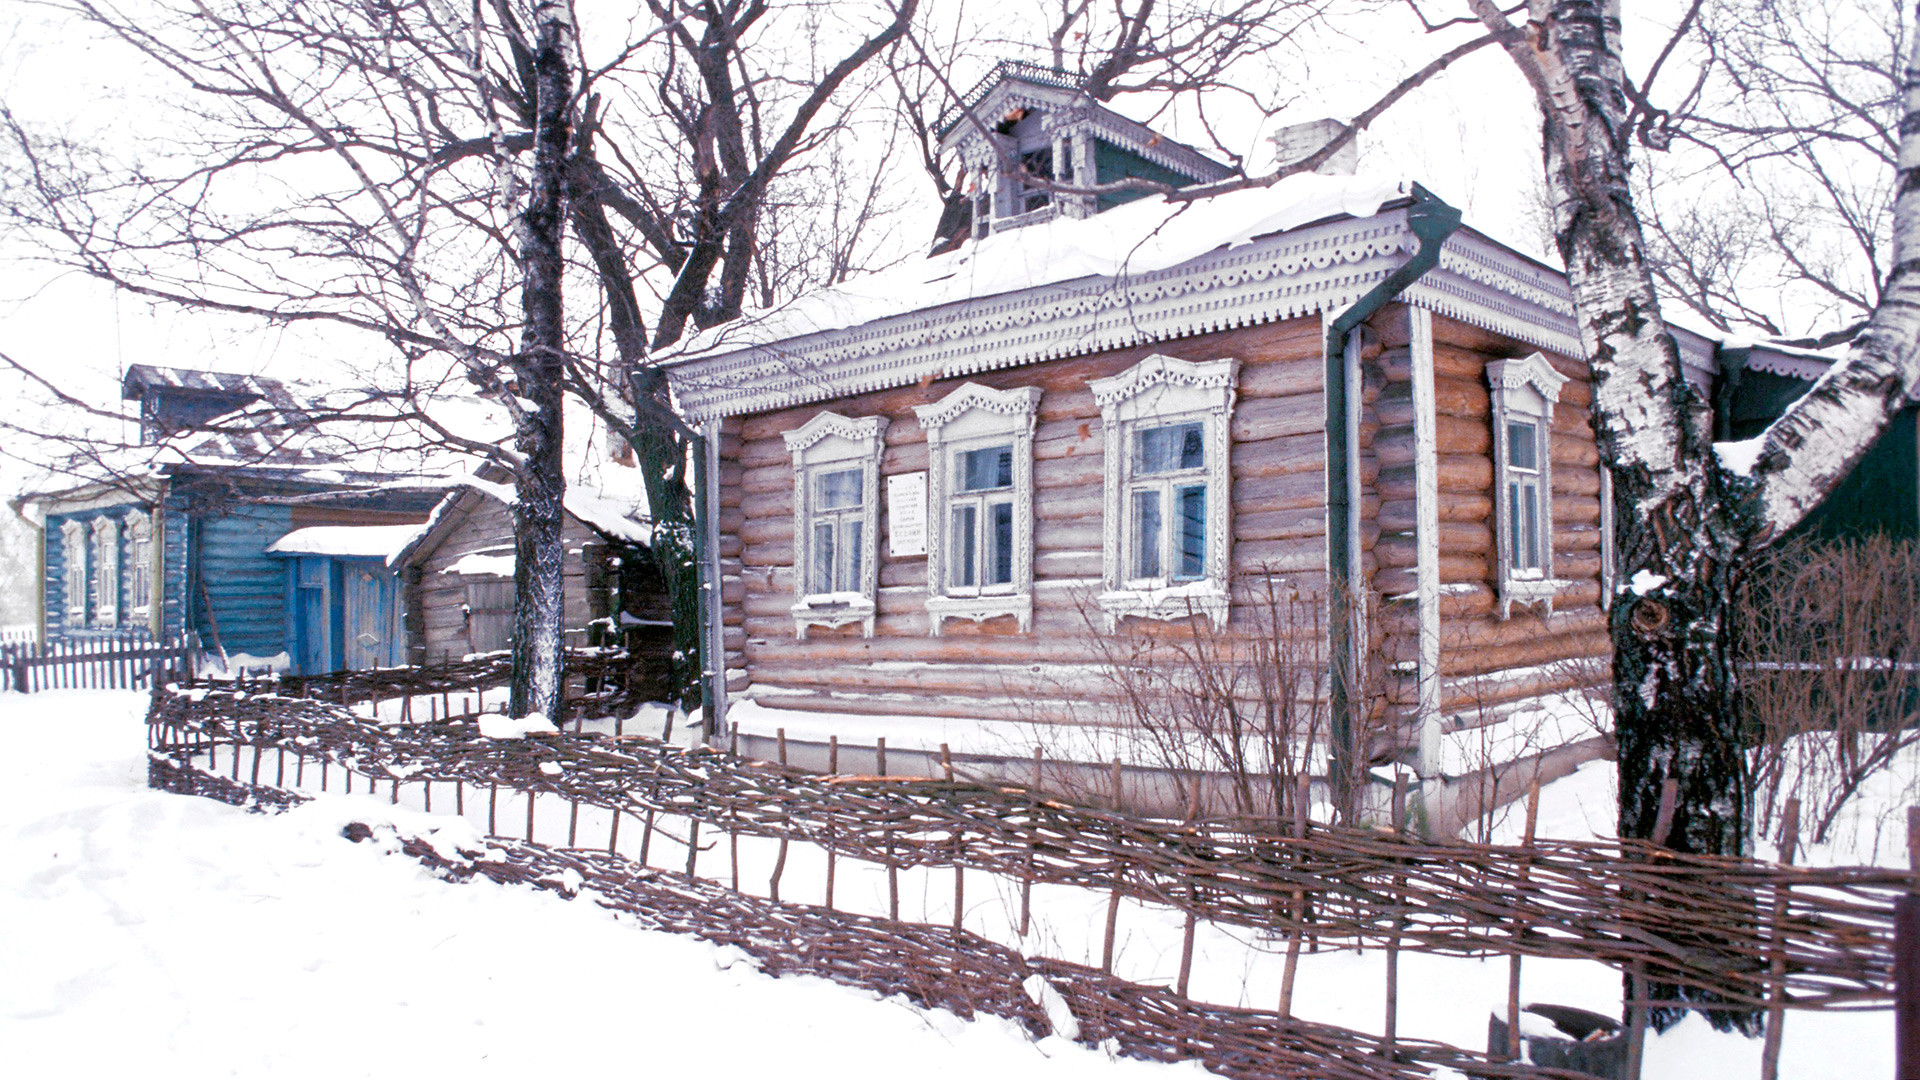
point(936, 967)
point(1738, 928)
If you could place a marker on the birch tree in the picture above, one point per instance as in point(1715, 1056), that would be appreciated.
point(1690, 520)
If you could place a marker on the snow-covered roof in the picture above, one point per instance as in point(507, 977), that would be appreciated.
point(362, 541)
point(1151, 270)
point(1132, 240)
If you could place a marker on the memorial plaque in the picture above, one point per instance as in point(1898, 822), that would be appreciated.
point(907, 514)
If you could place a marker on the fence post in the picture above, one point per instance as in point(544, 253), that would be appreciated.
point(1519, 932)
point(833, 769)
point(1391, 1032)
point(959, 852)
point(1113, 896)
point(1777, 964)
point(1302, 791)
point(1906, 965)
point(1637, 980)
point(1026, 879)
point(893, 872)
point(780, 860)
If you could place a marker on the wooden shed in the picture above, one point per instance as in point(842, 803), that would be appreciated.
point(457, 580)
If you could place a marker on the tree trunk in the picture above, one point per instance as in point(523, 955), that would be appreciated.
point(1688, 526)
point(540, 481)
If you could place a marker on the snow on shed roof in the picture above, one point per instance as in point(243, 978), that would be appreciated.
point(365, 541)
point(1140, 237)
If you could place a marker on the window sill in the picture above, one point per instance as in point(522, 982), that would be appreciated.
point(1529, 591)
point(1207, 598)
point(979, 609)
point(832, 610)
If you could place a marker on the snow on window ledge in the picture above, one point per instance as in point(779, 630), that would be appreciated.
point(832, 610)
point(981, 608)
point(1206, 597)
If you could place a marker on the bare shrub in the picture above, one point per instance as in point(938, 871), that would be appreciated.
point(1238, 715)
point(1828, 651)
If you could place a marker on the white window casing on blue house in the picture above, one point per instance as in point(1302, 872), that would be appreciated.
point(75, 579)
point(836, 520)
point(1166, 532)
point(1524, 393)
point(140, 576)
point(980, 494)
point(106, 571)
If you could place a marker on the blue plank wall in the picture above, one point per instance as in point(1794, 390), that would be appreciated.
point(173, 562)
point(246, 587)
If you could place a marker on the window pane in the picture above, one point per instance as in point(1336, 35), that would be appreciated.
point(1000, 544)
point(850, 538)
point(1146, 534)
point(961, 563)
point(841, 490)
point(1523, 450)
point(1168, 449)
point(1530, 497)
point(823, 534)
point(984, 470)
point(1193, 532)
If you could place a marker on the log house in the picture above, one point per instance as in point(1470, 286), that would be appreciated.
point(946, 489)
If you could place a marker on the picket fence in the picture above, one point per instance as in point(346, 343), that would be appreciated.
point(110, 660)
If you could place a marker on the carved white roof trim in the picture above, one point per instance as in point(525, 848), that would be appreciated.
point(1531, 370)
point(1023, 401)
point(1305, 271)
point(1805, 368)
point(865, 429)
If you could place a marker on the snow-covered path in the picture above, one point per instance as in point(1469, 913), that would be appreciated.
point(153, 935)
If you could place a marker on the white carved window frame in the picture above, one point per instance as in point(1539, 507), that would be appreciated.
point(1523, 392)
point(76, 580)
point(138, 530)
point(830, 443)
point(976, 417)
point(106, 571)
point(1157, 392)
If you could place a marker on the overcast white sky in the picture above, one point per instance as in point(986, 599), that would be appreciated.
point(1471, 136)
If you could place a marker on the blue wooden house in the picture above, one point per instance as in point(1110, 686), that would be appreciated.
point(242, 524)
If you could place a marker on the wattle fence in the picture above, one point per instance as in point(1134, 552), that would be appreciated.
point(1759, 936)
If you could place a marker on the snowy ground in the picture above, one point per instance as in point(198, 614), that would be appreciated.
point(153, 934)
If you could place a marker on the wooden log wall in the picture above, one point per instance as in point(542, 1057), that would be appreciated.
point(1278, 522)
point(990, 669)
point(1487, 665)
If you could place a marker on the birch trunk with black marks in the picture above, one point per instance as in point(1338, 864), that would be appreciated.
point(538, 370)
point(1687, 526)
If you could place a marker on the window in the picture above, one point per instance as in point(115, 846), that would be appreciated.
point(1165, 535)
point(106, 571)
point(139, 530)
point(980, 490)
point(73, 547)
point(1039, 165)
point(1524, 393)
point(836, 488)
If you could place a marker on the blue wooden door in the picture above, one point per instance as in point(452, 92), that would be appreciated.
point(369, 615)
point(312, 616)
